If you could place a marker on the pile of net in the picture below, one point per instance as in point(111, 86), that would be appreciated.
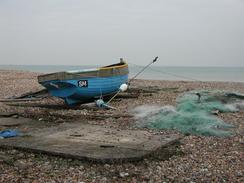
point(196, 112)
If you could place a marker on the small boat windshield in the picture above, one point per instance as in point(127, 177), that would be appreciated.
point(82, 70)
point(118, 64)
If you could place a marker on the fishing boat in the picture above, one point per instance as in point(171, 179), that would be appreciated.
point(81, 86)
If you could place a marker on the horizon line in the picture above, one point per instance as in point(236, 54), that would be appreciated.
point(132, 64)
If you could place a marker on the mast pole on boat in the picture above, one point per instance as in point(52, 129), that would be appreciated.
point(123, 87)
point(144, 68)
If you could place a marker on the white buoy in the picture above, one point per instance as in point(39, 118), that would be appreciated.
point(123, 87)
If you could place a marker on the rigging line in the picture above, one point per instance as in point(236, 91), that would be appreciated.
point(176, 75)
point(113, 96)
point(154, 60)
point(144, 68)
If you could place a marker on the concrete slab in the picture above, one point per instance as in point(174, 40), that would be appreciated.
point(92, 142)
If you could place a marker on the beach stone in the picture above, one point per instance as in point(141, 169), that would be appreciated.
point(123, 174)
point(207, 152)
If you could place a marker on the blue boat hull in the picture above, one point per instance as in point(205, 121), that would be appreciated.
point(76, 91)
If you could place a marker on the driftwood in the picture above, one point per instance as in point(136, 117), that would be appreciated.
point(8, 114)
point(128, 95)
point(144, 90)
point(29, 96)
point(20, 100)
point(150, 90)
point(105, 116)
point(71, 117)
point(37, 94)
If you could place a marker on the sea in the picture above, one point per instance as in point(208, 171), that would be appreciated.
point(230, 74)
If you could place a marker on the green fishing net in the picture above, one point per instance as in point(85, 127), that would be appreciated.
point(196, 112)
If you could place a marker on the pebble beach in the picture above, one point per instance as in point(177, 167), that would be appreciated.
point(195, 159)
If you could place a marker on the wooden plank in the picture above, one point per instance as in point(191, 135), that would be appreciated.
point(20, 100)
point(8, 114)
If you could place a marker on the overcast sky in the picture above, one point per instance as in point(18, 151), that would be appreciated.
point(79, 32)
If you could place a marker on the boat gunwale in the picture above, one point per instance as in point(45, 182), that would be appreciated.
point(85, 70)
point(64, 74)
point(114, 66)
